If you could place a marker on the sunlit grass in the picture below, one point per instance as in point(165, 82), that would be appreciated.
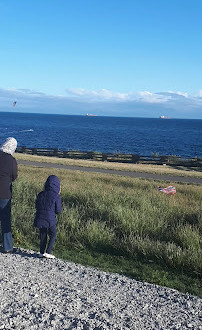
point(118, 224)
point(156, 169)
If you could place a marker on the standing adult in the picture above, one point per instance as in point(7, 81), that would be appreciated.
point(8, 173)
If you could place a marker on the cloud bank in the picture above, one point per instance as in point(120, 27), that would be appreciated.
point(104, 102)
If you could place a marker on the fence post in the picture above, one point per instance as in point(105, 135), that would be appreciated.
point(90, 154)
point(163, 159)
point(104, 157)
point(55, 152)
point(135, 158)
point(34, 151)
point(23, 148)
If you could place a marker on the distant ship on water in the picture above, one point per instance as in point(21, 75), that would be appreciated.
point(90, 115)
point(164, 117)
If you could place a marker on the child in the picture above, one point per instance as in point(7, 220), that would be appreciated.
point(48, 204)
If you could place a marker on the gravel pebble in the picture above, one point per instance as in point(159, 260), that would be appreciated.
point(55, 294)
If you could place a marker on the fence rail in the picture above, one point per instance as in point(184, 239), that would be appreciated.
point(172, 160)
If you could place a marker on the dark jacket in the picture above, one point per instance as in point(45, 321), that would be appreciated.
point(8, 173)
point(48, 204)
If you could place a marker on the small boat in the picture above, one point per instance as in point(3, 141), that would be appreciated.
point(89, 115)
point(164, 117)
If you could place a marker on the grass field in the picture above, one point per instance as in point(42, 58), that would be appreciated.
point(156, 169)
point(118, 224)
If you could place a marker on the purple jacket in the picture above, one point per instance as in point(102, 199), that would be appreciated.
point(48, 204)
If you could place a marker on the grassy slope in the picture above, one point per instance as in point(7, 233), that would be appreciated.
point(119, 224)
point(156, 169)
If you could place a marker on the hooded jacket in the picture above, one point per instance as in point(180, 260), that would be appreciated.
point(48, 204)
point(8, 167)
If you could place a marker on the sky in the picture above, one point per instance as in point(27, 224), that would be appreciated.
point(139, 58)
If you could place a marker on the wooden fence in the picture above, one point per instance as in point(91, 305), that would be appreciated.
point(114, 157)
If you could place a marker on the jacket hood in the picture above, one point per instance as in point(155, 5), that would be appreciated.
point(53, 184)
point(9, 146)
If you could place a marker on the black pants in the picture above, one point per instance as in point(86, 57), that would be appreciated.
point(5, 218)
point(44, 233)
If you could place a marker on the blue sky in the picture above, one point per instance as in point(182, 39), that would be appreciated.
point(110, 57)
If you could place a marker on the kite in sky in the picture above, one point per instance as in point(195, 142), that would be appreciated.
point(14, 104)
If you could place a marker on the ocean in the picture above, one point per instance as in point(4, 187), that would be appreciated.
point(143, 136)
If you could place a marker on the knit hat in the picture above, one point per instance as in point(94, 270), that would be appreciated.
point(9, 146)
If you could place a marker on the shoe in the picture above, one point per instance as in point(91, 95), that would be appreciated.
point(48, 256)
point(40, 255)
point(10, 251)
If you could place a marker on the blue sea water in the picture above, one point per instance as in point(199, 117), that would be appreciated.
point(142, 136)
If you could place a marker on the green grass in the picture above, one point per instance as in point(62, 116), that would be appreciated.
point(118, 224)
point(147, 168)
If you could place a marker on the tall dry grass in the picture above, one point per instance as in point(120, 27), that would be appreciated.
point(116, 215)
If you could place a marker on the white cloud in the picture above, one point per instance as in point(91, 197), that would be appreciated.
point(99, 95)
point(107, 95)
point(200, 93)
point(151, 97)
point(16, 94)
point(105, 102)
point(179, 93)
point(102, 95)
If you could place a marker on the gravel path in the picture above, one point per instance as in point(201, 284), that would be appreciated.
point(54, 294)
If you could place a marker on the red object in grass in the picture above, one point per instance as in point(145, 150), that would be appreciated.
point(168, 190)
